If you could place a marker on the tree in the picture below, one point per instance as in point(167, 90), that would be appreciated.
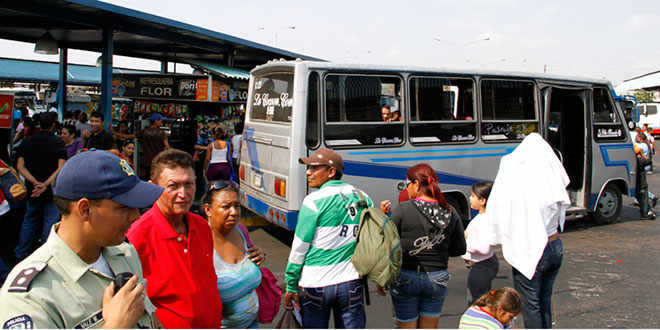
point(643, 96)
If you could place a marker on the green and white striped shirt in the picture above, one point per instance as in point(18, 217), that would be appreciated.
point(324, 241)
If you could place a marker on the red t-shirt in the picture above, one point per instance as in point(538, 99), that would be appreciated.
point(181, 280)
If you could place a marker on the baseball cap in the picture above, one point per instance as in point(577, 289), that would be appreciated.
point(98, 174)
point(324, 156)
point(156, 116)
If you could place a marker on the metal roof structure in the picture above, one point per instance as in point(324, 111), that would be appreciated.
point(78, 24)
point(647, 82)
point(220, 70)
point(40, 71)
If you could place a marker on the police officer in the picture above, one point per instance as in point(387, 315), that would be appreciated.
point(68, 282)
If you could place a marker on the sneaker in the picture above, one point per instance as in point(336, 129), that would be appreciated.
point(649, 216)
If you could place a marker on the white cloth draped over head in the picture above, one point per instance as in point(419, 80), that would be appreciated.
point(529, 192)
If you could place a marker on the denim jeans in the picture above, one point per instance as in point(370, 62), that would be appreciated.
point(344, 299)
point(40, 215)
point(537, 292)
point(417, 293)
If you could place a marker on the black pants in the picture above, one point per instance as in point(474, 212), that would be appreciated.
point(481, 277)
point(642, 191)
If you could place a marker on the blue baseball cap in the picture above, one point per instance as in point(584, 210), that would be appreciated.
point(98, 174)
point(156, 116)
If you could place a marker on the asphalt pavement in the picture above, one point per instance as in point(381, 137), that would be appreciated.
point(607, 279)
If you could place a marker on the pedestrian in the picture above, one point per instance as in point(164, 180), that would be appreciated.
point(236, 265)
point(320, 260)
point(496, 309)
point(643, 152)
point(176, 249)
point(97, 137)
point(40, 158)
point(430, 233)
point(526, 209)
point(236, 146)
point(71, 140)
point(68, 282)
point(480, 256)
point(81, 124)
point(152, 140)
point(127, 151)
point(217, 164)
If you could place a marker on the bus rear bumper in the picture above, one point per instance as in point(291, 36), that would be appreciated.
point(281, 217)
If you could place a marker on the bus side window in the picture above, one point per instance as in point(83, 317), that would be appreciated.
point(508, 110)
point(442, 110)
point(353, 108)
point(312, 129)
point(606, 122)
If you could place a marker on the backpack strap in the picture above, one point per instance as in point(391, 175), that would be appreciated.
point(363, 201)
point(244, 230)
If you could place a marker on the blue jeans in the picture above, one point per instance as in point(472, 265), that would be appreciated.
point(344, 299)
point(537, 292)
point(40, 215)
point(417, 293)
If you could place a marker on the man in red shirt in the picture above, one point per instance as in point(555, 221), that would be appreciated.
point(176, 249)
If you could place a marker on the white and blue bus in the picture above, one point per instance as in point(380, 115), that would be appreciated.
point(459, 122)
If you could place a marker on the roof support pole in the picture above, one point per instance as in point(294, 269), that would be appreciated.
point(106, 76)
point(163, 67)
point(62, 82)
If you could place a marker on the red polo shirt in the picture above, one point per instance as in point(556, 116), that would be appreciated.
point(181, 280)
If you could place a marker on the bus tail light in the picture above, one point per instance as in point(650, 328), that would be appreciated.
point(241, 172)
point(280, 187)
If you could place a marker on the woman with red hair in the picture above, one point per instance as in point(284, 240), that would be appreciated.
point(430, 233)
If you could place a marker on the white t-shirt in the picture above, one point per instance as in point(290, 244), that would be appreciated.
point(102, 266)
point(477, 240)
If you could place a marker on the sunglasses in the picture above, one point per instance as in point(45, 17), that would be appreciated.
point(222, 184)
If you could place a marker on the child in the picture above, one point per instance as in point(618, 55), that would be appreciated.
point(494, 310)
point(480, 257)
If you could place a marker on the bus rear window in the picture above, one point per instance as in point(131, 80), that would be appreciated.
point(272, 97)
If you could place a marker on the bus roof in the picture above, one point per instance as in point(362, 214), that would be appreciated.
point(420, 69)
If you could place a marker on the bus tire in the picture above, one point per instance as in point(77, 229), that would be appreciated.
point(456, 206)
point(609, 206)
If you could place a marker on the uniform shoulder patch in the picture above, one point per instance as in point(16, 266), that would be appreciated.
point(19, 322)
point(24, 278)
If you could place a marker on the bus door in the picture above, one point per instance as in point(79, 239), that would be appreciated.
point(566, 131)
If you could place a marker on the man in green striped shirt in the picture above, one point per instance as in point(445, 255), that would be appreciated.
point(324, 242)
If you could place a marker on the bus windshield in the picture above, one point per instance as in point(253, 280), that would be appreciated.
point(272, 98)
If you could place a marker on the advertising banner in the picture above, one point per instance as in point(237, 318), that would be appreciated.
point(6, 110)
point(155, 86)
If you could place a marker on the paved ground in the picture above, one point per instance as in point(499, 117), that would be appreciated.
point(608, 278)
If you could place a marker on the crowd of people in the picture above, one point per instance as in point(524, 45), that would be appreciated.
point(644, 148)
point(95, 221)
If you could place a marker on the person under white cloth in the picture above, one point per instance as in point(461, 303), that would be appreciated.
point(527, 204)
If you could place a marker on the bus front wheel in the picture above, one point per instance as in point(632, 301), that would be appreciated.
point(609, 206)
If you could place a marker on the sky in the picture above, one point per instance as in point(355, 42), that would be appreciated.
point(615, 40)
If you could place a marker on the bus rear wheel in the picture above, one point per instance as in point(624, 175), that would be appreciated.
point(609, 206)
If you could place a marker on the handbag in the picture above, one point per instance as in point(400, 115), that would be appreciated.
point(270, 295)
point(11, 184)
point(288, 321)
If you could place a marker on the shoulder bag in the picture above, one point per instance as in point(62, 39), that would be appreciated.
point(270, 295)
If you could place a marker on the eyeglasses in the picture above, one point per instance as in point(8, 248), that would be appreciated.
point(222, 184)
point(408, 183)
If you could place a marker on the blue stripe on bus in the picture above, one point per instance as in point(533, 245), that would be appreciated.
point(381, 171)
point(405, 159)
point(426, 151)
point(604, 151)
point(248, 139)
